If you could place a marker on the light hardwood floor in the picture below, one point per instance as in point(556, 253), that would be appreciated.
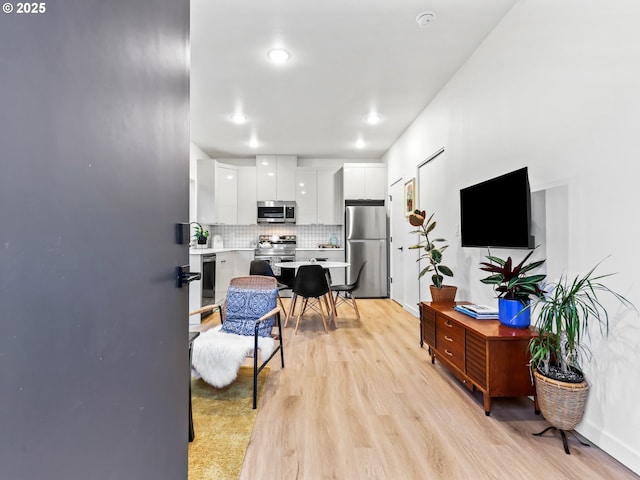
point(364, 402)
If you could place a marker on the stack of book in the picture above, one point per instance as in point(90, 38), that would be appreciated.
point(481, 312)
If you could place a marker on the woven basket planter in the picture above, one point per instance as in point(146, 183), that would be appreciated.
point(561, 403)
point(446, 294)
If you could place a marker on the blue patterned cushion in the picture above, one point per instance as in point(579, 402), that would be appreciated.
point(245, 306)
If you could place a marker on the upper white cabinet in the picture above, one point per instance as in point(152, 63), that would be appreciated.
point(225, 194)
point(276, 177)
point(365, 181)
point(306, 197)
point(330, 199)
point(205, 191)
point(318, 197)
point(247, 198)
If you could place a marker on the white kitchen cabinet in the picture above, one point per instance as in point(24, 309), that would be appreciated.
point(247, 198)
point(318, 197)
point(225, 271)
point(266, 177)
point(286, 177)
point(242, 263)
point(306, 197)
point(365, 181)
point(330, 199)
point(195, 288)
point(216, 193)
point(226, 194)
point(275, 176)
point(205, 191)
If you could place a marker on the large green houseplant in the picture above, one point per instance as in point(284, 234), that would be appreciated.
point(514, 286)
point(432, 252)
point(564, 317)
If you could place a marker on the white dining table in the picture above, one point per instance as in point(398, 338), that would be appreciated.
point(324, 264)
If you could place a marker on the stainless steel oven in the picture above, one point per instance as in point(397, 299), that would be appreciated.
point(277, 249)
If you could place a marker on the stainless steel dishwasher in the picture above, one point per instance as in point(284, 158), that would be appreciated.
point(208, 279)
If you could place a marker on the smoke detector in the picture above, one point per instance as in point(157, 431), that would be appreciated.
point(425, 19)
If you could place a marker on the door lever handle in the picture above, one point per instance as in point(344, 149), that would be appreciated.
point(183, 277)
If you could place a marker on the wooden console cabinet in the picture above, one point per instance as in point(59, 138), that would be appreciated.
point(484, 354)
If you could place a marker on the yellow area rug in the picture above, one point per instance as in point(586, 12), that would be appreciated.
point(223, 421)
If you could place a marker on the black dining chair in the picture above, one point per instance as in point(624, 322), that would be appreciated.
point(344, 293)
point(311, 285)
point(262, 267)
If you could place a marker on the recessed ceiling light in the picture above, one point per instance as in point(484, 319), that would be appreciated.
point(425, 19)
point(253, 143)
point(373, 119)
point(360, 143)
point(278, 55)
point(238, 118)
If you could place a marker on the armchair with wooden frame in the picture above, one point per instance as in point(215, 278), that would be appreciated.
point(219, 352)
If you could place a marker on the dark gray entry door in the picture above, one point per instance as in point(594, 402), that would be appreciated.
point(94, 159)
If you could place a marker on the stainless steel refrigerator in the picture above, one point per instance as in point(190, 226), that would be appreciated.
point(366, 240)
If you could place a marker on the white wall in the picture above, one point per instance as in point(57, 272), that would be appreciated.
point(555, 87)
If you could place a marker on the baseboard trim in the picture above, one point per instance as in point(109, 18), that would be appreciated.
point(614, 447)
point(412, 309)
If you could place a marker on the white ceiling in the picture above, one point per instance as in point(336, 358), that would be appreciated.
point(349, 57)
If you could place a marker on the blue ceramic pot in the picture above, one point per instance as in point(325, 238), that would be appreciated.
point(510, 313)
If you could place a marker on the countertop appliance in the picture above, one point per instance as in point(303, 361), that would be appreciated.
point(276, 249)
point(276, 211)
point(366, 239)
point(217, 242)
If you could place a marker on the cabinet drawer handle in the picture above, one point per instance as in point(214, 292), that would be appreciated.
point(448, 352)
point(448, 324)
point(448, 339)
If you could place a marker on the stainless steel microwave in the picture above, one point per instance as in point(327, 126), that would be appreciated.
point(276, 211)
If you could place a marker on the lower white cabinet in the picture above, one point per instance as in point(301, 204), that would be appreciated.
point(225, 271)
point(195, 287)
point(243, 262)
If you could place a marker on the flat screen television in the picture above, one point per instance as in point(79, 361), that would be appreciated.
point(497, 212)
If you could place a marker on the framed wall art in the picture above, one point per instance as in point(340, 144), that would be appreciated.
point(410, 197)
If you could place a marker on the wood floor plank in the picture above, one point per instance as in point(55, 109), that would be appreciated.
point(365, 402)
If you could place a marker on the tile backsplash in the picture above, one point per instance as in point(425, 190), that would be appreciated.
point(246, 236)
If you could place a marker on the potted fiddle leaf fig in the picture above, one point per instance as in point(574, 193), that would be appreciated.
point(514, 287)
point(564, 316)
point(433, 249)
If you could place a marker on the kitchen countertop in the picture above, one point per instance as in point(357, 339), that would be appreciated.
point(208, 251)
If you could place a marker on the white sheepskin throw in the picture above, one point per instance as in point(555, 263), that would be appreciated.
point(217, 356)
